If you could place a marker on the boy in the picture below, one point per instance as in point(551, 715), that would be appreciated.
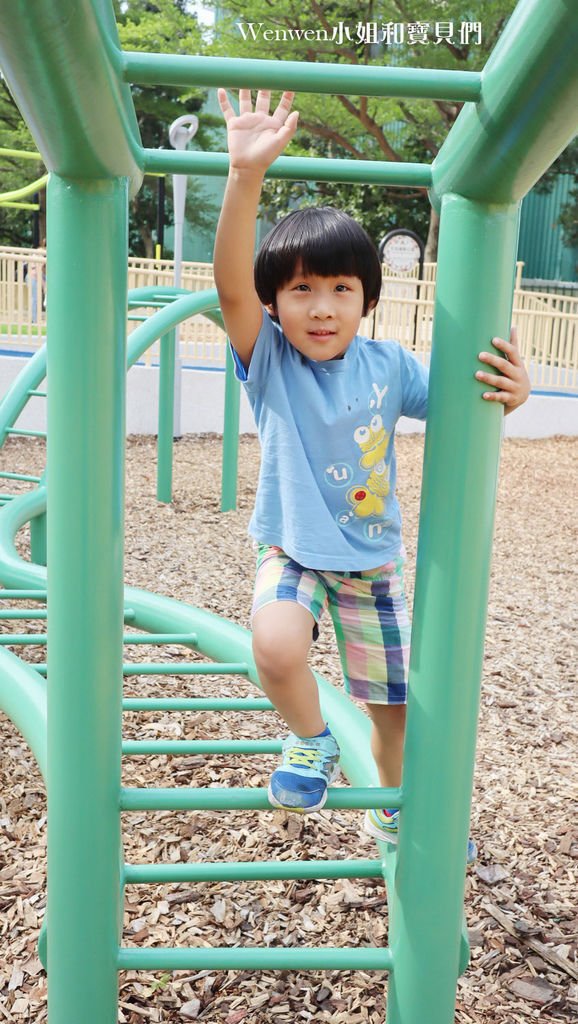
point(326, 402)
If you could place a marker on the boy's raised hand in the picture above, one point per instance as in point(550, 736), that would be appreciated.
point(255, 137)
point(511, 378)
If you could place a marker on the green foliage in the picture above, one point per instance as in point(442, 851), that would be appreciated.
point(165, 26)
point(15, 225)
point(567, 163)
point(350, 126)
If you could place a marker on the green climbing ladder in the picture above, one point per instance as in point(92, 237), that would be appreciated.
point(74, 94)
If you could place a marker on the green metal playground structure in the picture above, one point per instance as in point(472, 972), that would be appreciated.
point(63, 63)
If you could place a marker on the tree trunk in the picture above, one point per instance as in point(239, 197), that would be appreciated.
point(431, 245)
point(147, 239)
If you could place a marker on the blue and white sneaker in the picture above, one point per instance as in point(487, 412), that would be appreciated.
point(309, 765)
point(384, 825)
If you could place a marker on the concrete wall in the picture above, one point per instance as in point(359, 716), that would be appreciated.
point(202, 402)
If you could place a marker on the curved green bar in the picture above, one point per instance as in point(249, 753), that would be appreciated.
point(359, 80)
point(528, 110)
point(218, 638)
point(293, 168)
point(64, 76)
point(23, 699)
point(13, 402)
point(189, 304)
point(34, 372)
point(26, 190)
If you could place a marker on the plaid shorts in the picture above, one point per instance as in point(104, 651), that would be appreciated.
point(369, 613)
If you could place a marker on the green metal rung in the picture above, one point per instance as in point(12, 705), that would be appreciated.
point(25, 595)
point(133, 317)
point(129, 614)
point(137, 303)
point(20, 476)
point(160, 638)
point(254, 799)
point(41, 638)
point(251, 871)
point(26, 433)
point(22, 639)
point(258, 958)
point(196, 704)
point(177, 69)
point(137, 747)
point(37, 394)
point(7, 497)
point(185, 668)
point(23, 613)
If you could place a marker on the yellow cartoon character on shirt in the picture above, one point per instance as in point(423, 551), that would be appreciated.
point(368, 499)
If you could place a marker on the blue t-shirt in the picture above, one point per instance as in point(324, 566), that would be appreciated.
point(326, 491)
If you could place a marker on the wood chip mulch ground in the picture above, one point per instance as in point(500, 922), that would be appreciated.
point(521, 896)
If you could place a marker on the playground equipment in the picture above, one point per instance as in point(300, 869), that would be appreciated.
point(15, 196)
point(519, 114)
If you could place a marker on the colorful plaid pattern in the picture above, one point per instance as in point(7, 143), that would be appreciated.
point(369, 613)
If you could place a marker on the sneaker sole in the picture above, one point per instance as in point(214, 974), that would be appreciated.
point(303, 810)
point(378, 833)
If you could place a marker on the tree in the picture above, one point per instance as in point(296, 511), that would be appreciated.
point(371, 33)
point(162, 26)
point(567, 163)
point(16, 224)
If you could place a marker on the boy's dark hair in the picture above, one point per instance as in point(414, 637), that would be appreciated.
point(325, 242)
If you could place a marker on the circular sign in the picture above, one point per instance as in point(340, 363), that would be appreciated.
point(401, 251)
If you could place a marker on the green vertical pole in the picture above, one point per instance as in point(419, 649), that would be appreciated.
point(166, 417)
point(230, 436)
point(473, 304)
point(87, 284)
point(38, 539)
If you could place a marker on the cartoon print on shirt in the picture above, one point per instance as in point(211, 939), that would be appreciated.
point(368, 497)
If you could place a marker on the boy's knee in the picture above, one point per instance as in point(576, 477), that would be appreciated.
point(277, 655)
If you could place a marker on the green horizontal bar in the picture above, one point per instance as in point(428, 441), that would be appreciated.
point(25, 595)
point(8, 497)
point(23, 613)
point(160, 638)
point(140, 318)
point(257, 959)
point(161, 303)
point(134, 747)
point(184, 668)
point(21, 154)
point(251, 871)
point(20, 476)
point(196, 704)
point(22, 639)
point(129, 613)
point(25, 433)
point(175, 69)
point(20, 206)
point(38, 394)
point(41, 638)
point(293, 168)
point(249, 799)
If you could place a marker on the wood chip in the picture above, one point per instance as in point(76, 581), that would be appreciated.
point(524, 782)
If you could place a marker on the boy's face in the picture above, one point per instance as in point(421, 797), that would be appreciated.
point(320, 315)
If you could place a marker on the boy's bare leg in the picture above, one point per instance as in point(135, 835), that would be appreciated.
point(387, 737)
point(282, 633)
